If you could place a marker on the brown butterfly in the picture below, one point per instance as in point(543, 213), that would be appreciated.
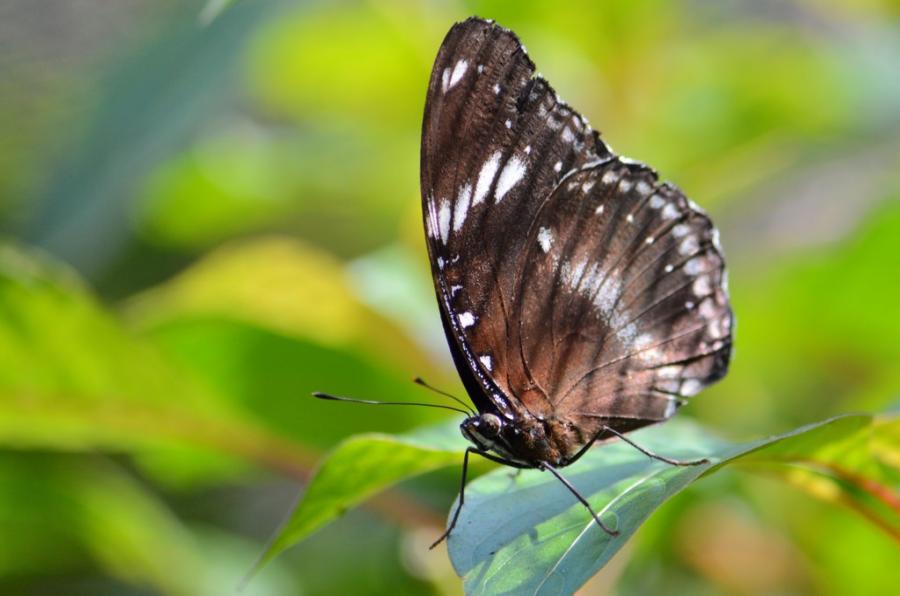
point(581, 297)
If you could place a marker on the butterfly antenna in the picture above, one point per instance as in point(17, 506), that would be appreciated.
point(420, 381)
point(369, 402)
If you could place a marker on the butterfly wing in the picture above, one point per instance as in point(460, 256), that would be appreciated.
point(622, 307)
point(512, 184)
point(495, 143)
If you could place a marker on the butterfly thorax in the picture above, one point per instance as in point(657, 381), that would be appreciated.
point(526, 441)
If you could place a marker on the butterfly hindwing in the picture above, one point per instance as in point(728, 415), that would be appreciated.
point(626, 282)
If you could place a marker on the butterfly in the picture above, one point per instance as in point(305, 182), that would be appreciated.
point(581, 297)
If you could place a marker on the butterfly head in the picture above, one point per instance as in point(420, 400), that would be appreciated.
point(517, 443)
point(484, 430)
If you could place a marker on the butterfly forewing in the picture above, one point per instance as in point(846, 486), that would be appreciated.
point(572, 284)
point(495, 142)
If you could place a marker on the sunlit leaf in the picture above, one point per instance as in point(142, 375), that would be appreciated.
point(860, 470)
point(227, 184)
point(525, 533)
point(522, 531)
point(307, 65)
point(280, 284)
point(72, 378)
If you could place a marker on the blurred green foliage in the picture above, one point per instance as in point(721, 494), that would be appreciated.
point(210, 211)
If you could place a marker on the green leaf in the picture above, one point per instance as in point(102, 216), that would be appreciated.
point(242, 318)
point(860, 470)
point(521, 531)
point(284, 285)
point(525, 533)
point(360, 467)
point(72, 378)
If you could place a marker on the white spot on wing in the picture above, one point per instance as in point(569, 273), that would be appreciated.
point(656, 202)
point(642, 187)
point(545, 239)
point(690, 387)
point(695, 207)
point(644, 340)
point(486, 177)
point(670, 408)
point(466, 319)
point(444, 220)
point(629, 218)
point(608, 293)
point(669, 211)
point(626, 333)
point(689, 245)
point(604, 290)
point(702, 286)
point(572, 275)
point(458, 71)
point(708, 309)
point(557, 166)
point(486, 362)
point(445, 80)
point(715, 240)
point(599, 210)
point(462, 206)
point(715, 329)
point(510, 176)
point(672, 371)
point(432, 218)
point(527, 149)
point(508, 124)
point(496, 89)
point(694, 266)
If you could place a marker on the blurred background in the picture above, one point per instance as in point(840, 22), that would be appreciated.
point(210, 209)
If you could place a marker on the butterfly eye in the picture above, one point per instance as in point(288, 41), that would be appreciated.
point(489, 425)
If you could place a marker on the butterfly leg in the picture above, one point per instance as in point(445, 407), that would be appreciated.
point(574, 491)
point(650, 454)
point(462, 498)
